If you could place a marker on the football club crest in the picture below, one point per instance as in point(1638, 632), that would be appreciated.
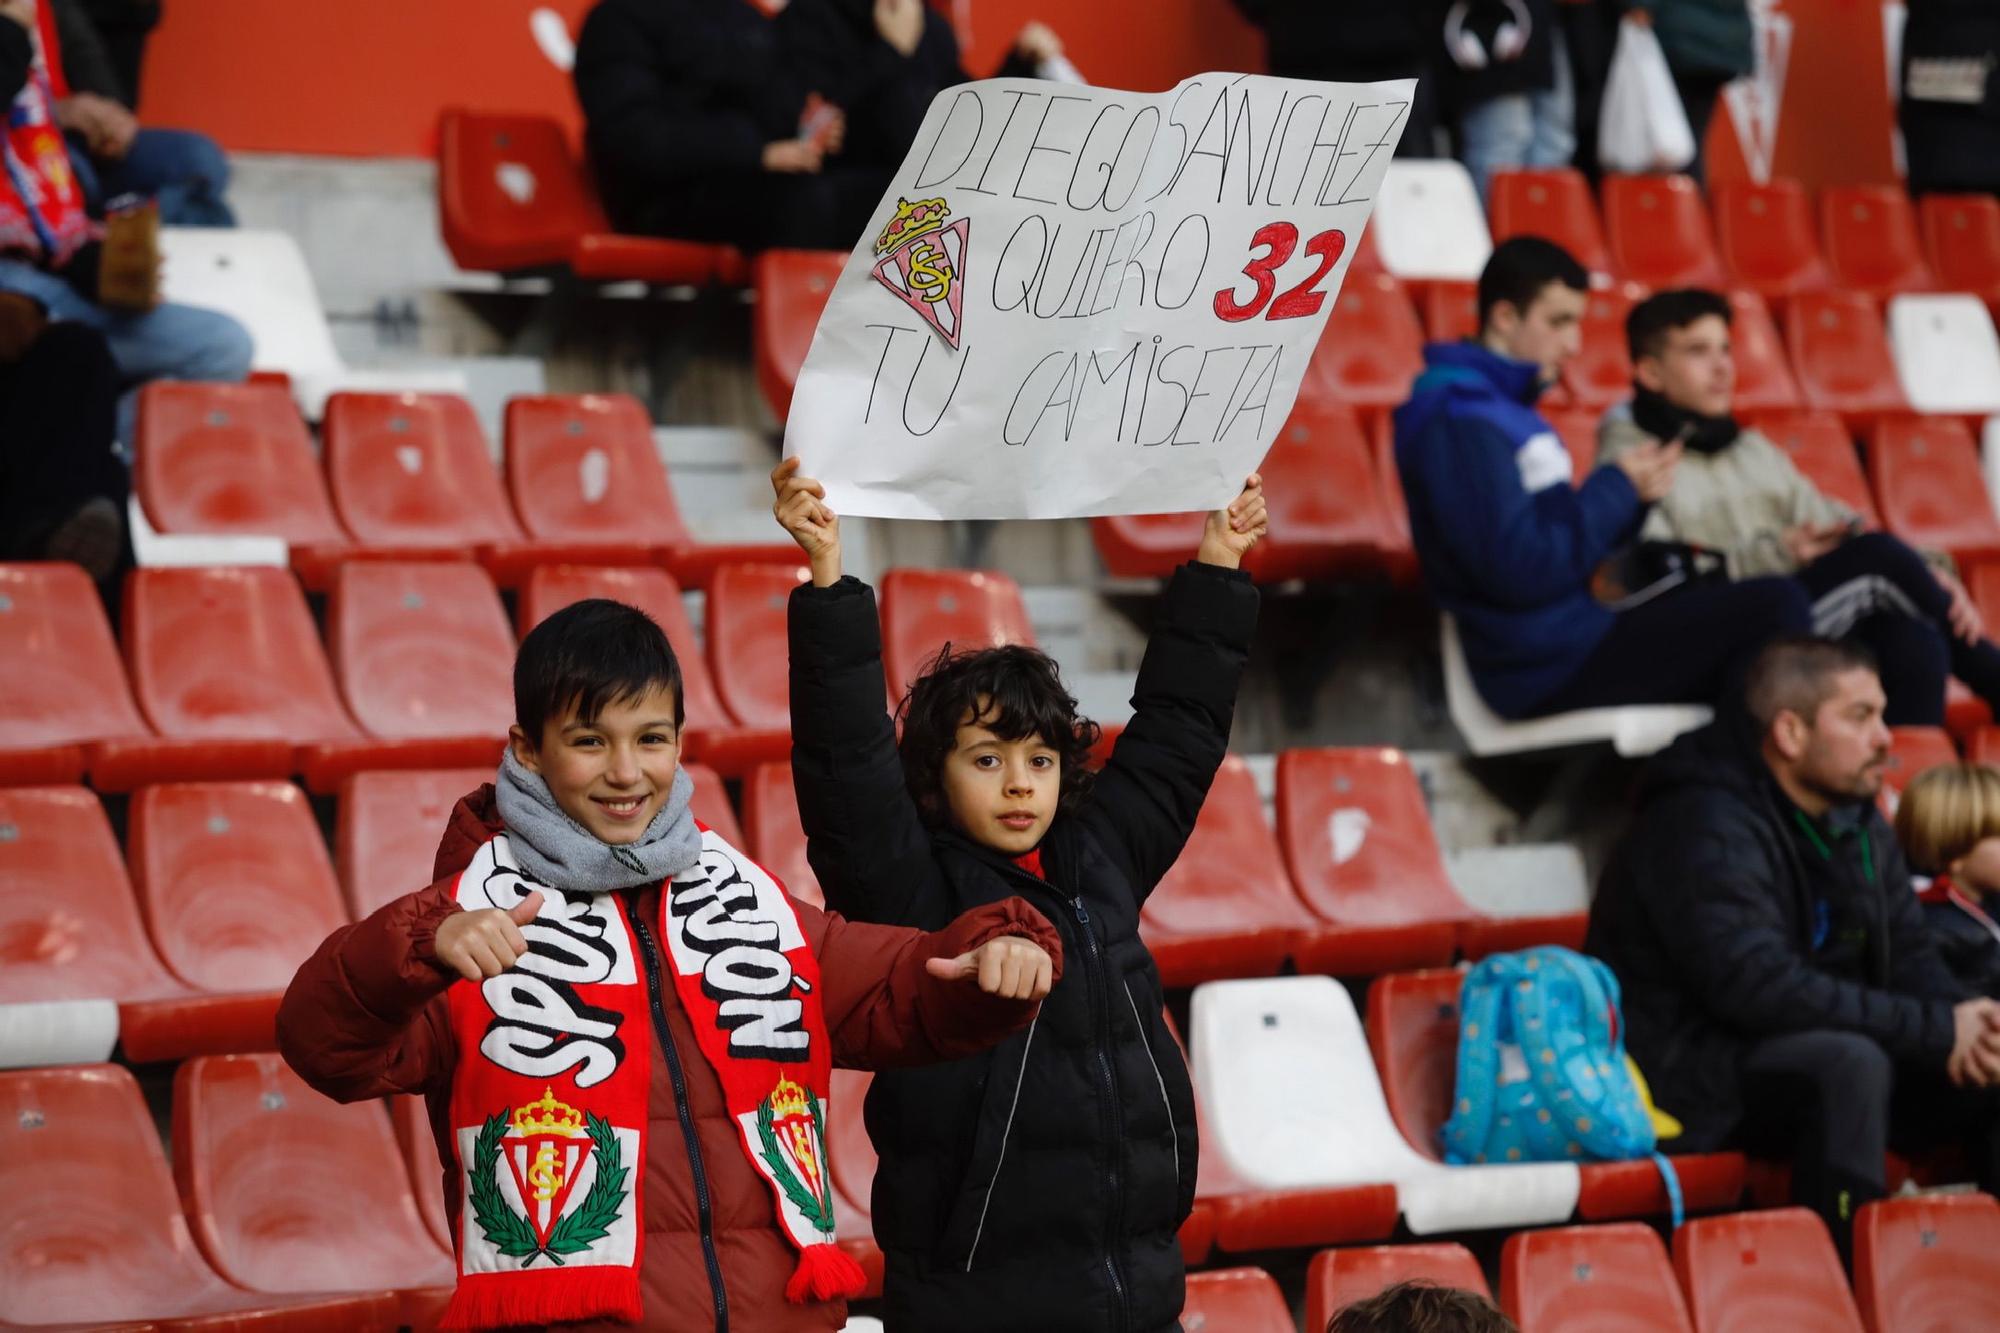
point(544, 1148)
point(923, 262)
point(791, 1128)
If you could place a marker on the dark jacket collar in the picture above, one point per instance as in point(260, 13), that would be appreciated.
point(1517, 381)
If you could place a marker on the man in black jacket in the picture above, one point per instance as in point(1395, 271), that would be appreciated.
point(1780, 990)
point(1042, 1185)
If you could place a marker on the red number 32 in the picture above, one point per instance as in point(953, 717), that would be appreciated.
point(1278, 240)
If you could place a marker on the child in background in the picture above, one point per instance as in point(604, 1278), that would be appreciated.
point(628, 1091)
point(1422, 1307)
point(1949, 824)
point(1041, 1185)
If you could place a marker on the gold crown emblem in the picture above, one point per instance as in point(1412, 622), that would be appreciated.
point(918, 219)
point(788, 1099)
point(548, 1116)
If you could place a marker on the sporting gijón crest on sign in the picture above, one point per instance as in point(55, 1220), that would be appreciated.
point(923, 262)
point(544, 1147)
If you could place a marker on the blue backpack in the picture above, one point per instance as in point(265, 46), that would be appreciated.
point(1542, 1075)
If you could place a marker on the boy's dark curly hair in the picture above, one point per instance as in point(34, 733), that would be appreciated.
point(1024, 696)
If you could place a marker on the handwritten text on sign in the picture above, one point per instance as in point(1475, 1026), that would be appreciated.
point(1082, 301)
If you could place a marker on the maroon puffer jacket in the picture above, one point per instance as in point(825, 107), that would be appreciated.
point(366, 1016)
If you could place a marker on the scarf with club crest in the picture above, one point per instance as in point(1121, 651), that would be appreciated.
point(548, 1108)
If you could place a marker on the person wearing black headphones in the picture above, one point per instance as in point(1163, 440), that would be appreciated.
point(1507, 86)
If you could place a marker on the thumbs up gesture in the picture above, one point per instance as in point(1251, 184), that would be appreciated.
point(485, 943)
point(1010, 967)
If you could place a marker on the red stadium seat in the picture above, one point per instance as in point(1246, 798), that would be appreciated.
point(711, 804)
point(1659, 232)
point(1553, 203)
point(413, 1134)
point(1821, 448)
point(1235, 1300)
point(1372, 348)
point(776, 840)
point(1399, 552)
point(1226, 908)
point(1751, 1272)
point(851, 1158)
point(1911, 751)
point(748, 654)
point(1327, 516)
point(287, 1192)
point(61, 683)
point(1926, 1263)
point(1962, 233)
point(1767, 238)
point(792, 288)
point(711, 734)
point(1451, 310)
point(1601, 374)
point(1357, 840)
point(1603, 1279)
point(1337, 1279)
point(386, 837)
point(1147, 546)
point(234, 882)
point(1871, 240)
point(423, 654)
point(95, 1232)
point(923, 609)
point(1929, 488)
point(1413, 1031)
point(1841, 353)
point(410, 473)
point(231, 459)
point(1764, 380)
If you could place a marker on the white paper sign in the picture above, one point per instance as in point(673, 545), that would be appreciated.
point(1081, 301)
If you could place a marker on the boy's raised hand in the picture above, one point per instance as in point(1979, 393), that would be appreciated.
point(1231, 532)
point(801, 510)
point(485, 943)
point(1009, 967)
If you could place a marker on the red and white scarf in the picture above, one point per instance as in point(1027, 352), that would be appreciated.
point(41, 207)
point(548, 1108)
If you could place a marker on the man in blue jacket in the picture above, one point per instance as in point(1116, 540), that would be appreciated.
point(1509, 539)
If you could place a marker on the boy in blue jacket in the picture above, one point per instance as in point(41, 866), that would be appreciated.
point(1509, 539)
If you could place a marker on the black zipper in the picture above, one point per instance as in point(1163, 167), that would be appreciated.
point(1100, 997)
point(693, 1141)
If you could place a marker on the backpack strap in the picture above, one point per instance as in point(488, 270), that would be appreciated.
point(1465, 1132)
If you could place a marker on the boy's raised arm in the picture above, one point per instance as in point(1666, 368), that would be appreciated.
point(1150, 793)
point(864, 838)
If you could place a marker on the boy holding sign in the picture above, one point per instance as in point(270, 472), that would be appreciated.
point(1041, 1185)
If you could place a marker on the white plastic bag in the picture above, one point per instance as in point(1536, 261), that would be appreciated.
point(1642, 125)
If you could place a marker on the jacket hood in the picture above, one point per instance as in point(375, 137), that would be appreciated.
point(1470, 370)
point(1723, 755)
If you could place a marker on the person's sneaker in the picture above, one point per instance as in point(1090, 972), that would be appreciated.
point(90, 538)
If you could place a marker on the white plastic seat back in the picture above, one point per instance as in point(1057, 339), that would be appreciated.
point(57, 1032)
point(1521, 879)
point(1428, 222)
point(1947, 353)
point(1293, 1101)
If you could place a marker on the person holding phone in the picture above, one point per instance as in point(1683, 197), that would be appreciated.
point(1737, 493)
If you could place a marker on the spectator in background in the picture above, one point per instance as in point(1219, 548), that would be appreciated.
point(1708, 45)
point(62, 489)
point(1948, 822)
point(185, 171)
point(1739, 494)
point(882, 61)
point(699, 128)
point(1509, 541)
point(1356, 41)
point(1950, 107)
point(1507, 83)
point(50, 254)
point(1781, 990)
point(1421, 1307)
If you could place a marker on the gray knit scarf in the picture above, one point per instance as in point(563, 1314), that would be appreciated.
point(560, 852)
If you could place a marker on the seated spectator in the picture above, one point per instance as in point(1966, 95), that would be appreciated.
point(1949, 825)
point(1708, 45)
point(1421, 1307)
point(50, 254)
point(1738, 493)
point(698, 128)
point(1950, 107)
point(882, 61)
point(1507, 82)
point(1354, 41)
point(1509, 542)
point(124, 26)
point(62, 489)
point(1781, 990)
point(184, 171)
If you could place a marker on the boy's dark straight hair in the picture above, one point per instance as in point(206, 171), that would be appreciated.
point(590, 654)
point(1520, 268)
point(1422, 1307)
point(1024, 696)
point(1650, 321)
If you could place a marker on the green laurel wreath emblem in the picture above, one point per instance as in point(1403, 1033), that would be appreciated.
point(818, 1209)
point(511, 1233)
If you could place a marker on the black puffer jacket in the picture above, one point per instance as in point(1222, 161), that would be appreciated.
point(1040, 1186)
point(1708, 911)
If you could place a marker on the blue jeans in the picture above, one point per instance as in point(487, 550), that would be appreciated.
point(186, 171)
point(1521, 129)
point(168, 342)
